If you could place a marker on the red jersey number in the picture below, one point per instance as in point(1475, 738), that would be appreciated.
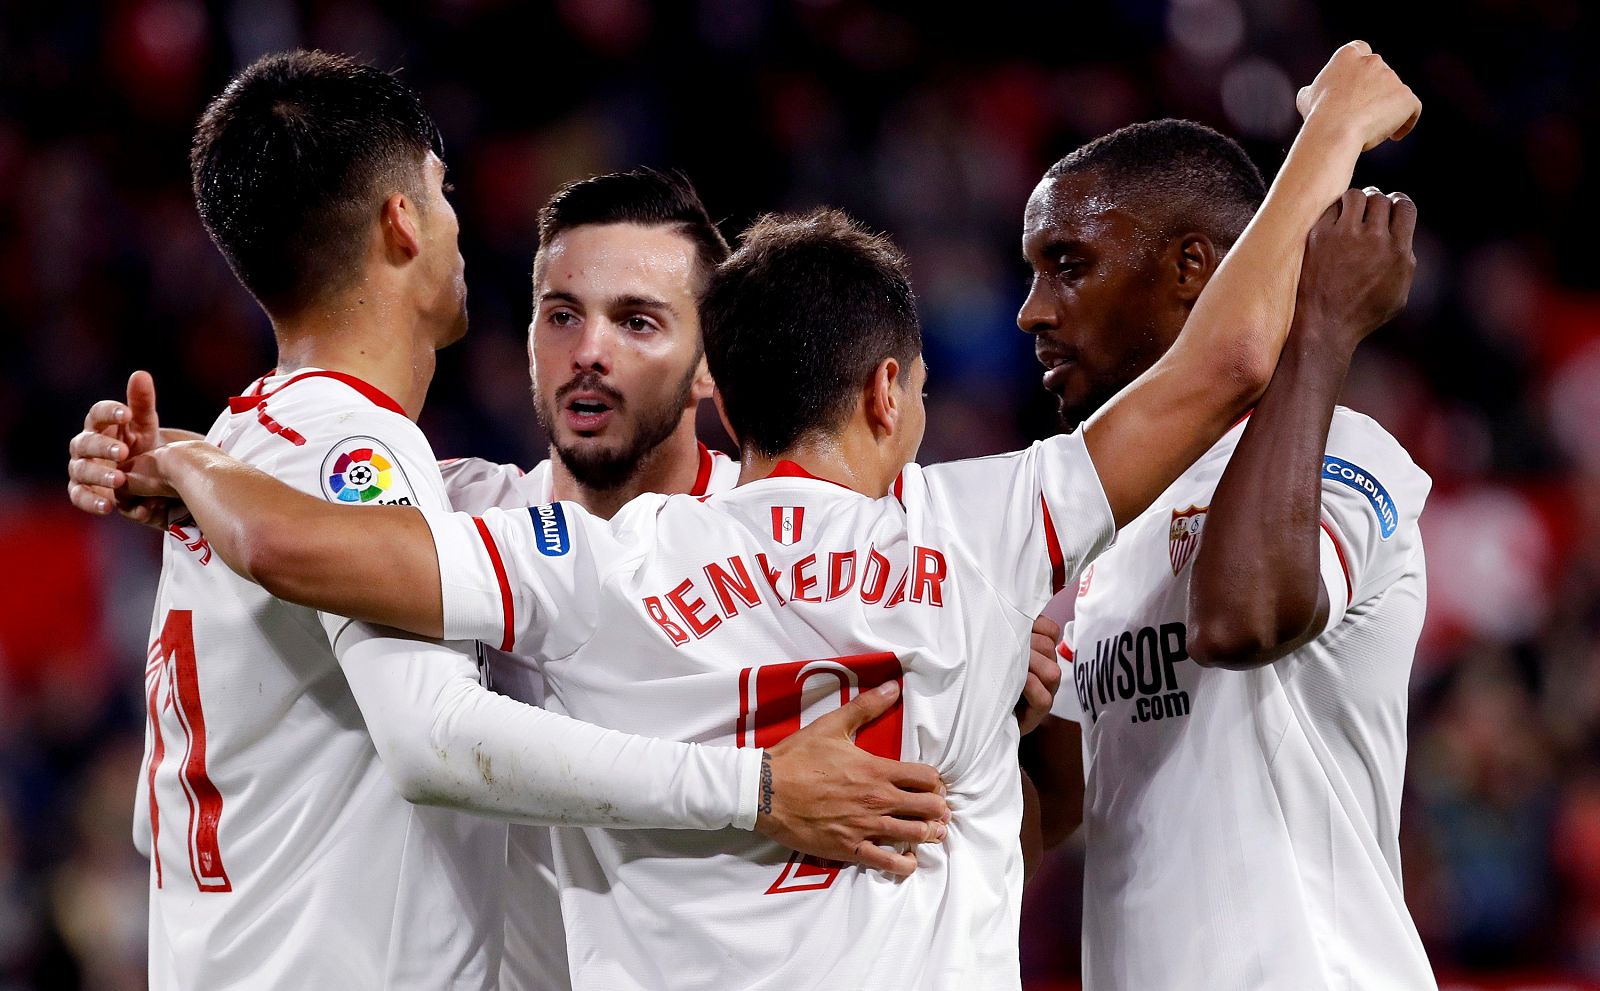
point(172, 682)
point(772, 700)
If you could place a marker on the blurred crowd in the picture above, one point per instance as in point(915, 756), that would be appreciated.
point(932, 122)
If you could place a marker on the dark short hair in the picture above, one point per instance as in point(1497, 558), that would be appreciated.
point(1182, 175)
point(796, 321)
point(641, 196)
point(291, 163)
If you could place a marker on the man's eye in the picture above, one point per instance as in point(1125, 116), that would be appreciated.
point(563, 318)
point(639, 325)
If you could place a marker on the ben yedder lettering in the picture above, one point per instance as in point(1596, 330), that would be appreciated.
point(702, 602)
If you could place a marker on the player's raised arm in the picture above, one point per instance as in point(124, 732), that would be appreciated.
point(1170, 415)
point(372, 563)
point(1257, 591)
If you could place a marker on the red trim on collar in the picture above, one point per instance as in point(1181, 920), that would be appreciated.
point(374, 395)
point(1243, 418)
point(788, 469)
point(702, 480)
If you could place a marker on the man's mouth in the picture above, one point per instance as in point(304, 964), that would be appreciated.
point(1057, 367)
point(587, 412)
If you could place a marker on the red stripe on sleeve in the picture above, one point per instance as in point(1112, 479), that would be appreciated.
point(505, 585)
point(1349, 589)
point(1052, 543)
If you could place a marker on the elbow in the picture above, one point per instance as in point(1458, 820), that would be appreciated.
point(1243, 372)
point(1238, 642)
point(412, 774)
point(267, 557)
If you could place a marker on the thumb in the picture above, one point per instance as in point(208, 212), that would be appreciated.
point(864, 708)
point(142, 401)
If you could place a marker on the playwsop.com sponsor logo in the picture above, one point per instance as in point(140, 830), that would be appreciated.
point(361, 471)
point(1340, 470)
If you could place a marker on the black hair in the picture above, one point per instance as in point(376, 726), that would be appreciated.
point(642, 196)
point(1182, 175)
point(293, 159)
point(796, 321)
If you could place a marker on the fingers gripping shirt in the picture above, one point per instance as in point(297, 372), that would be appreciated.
point(734, 620)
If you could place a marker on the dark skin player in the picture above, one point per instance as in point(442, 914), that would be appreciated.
point(1105, 306)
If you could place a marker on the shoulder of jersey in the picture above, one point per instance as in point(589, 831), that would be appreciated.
point(1366, 459)
point(320, 403)
point(353, 429)
point(1357, 435)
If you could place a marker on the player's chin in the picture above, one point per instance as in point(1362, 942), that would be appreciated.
point(1072, 407)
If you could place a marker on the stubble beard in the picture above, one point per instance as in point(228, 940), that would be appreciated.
point(600, 468)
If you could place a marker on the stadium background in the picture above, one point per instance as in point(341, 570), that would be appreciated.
point(929, 121)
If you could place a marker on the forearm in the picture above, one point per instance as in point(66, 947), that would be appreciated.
point(173, 435)
point(374, 563)
point(1231, 341)
point(446, 740)
point(1241, 320)
point(1052, 761)
point(1256, 590)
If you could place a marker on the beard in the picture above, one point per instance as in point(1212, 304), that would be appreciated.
point(597, 466)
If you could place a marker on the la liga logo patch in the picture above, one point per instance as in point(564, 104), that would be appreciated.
point(361, 470)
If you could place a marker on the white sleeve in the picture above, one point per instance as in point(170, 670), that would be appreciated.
point(1372, 496)
point(475, 485)
point(447, 740)
point(1067, 704)
point(1032, 519)
point(526, 580)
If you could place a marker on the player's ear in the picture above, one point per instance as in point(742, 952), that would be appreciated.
point(1191, 261)
point(401, 236)
point(722, 414)
point(882, 399)
point(703, 386)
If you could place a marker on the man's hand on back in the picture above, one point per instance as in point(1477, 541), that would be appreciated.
point(113, 434)
point(823, 795)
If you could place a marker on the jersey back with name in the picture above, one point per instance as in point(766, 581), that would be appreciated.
point(281, 855)
point(737, 619)
point(1242, 826)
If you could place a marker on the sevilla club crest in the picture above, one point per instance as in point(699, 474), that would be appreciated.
point(1184, 536)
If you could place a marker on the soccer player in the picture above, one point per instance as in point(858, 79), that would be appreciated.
point(622, 261)
point(1239, 659)
point(283, 851)
point(835, 566)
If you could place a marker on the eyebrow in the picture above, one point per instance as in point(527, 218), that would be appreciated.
point(626, 301)
point(1060, 245)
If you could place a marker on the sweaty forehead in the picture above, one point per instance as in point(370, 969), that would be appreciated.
point(1075, 208)
point(602, 261)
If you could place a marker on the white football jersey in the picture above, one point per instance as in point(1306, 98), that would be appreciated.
point(1242, 826)
point(535, 944)
point(280, 853)
point(735, 619)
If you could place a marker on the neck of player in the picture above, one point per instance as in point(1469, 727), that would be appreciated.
point(671, 467)
point(854, 459)
point(373, 335)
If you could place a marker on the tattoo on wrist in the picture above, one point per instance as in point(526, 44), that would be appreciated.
point(765, 805)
